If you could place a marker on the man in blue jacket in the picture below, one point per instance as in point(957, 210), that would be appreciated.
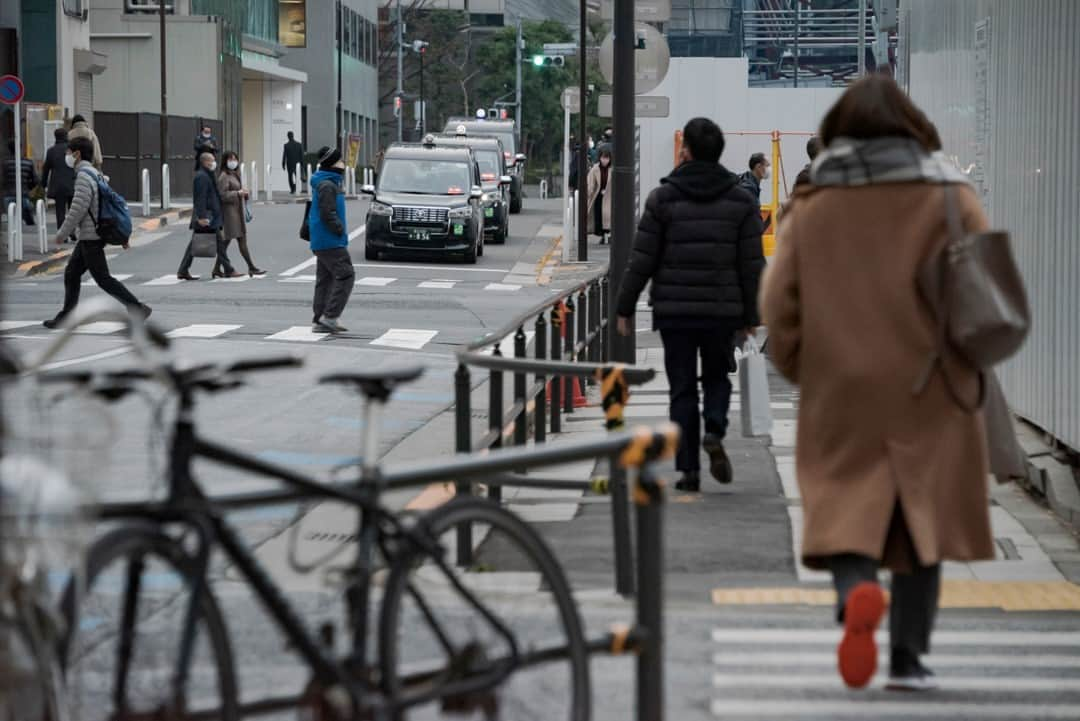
point(207, 218)
point(334, 274)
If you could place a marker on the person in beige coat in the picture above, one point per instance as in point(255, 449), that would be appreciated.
point(888, 477)
point(81, 129)
point(233, 206)
point(598, 186)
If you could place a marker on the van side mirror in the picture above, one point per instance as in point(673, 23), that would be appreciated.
point(477, 193)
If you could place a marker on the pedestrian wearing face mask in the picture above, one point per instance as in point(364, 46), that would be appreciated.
point(751, 181)
point(205, 142)
point(234, 197)
point(599, 187)
point(89, 252)
point(207, 218)
point(334, 273)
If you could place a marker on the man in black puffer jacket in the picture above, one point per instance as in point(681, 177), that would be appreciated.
point(699, 242)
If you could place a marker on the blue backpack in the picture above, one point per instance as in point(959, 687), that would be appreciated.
point(113, 221)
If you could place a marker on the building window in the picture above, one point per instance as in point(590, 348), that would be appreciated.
point(292, 23)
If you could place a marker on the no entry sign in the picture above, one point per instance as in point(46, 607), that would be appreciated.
point(11, 89)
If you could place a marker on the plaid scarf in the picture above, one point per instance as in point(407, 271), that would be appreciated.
point(850, 162)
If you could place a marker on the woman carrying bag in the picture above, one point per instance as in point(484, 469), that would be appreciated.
point(234, 199)
point(599, 187)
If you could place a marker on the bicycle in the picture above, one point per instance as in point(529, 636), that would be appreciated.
point(179, 534)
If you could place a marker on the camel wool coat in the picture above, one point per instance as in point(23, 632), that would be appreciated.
point(847, 324)
point(593, 189)
point(232, 205)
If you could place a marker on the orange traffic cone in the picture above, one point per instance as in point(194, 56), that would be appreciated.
point(580, 401)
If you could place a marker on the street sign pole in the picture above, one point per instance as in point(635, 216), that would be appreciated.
point(17, 219)
point(583, 132)
point(622, 231)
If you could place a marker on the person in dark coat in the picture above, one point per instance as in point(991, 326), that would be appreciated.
point(699, 242)
point(813, 147)
point(750, 181)
point(205, 142)
point(29, 182)
point(207, 217)
point(334, 272)
point(59, 179)
point(291, 156)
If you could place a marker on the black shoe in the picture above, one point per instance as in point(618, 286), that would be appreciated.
point(719, 464)
point(55, 322)
point(145, 310)
point(690, 482)
point(906, 673)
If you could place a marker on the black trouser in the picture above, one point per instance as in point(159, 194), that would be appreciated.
point(222, 258)
point(334, 279)
point(598, 215)
point(62, 202)
point(681, 350)
point(292, 180)
point(89, 255)
point(914, 603)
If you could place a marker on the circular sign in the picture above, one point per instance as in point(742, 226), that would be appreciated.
point(651, 58)
point(11, 89)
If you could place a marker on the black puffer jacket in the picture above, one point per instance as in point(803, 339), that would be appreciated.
point(699, 241)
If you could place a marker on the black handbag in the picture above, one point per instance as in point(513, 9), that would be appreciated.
point(204, 245)
point(305, 232)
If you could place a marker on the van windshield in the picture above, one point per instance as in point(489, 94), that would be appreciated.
point(424, 177)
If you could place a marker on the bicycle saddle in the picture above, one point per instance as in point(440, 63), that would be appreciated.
point(376, 384)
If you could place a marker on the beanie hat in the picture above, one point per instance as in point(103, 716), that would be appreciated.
point(328, 157)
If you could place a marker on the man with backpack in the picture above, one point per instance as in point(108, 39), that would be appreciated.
point(96, 226)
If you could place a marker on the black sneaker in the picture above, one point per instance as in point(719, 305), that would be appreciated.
point(690, 482)
point(719, 464)
point(54, 323)
point(906, 673)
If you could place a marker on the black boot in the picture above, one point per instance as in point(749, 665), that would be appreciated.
point(719, 464)
point(690, 482)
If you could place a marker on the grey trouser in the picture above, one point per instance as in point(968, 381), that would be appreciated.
point(334, 278)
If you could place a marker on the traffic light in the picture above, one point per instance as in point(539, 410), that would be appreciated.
point(546, 61)
point(397, 106)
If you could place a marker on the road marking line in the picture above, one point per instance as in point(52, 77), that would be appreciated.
point(6, 325)
point(299, 267)
point(119, 276)
point(202, 330)
point(410, 338)
point(751, 659)
point(832, 680)
point(164, 280)
point(864, 708)
point(502, 286)
point(300, 333)
point(240, 279)
point(798, 636)
point(358, 232)
point(439, 268)
point(374, 280)
point(298, 279)
point(438, 284)
point(101, 328)
point(88, 359)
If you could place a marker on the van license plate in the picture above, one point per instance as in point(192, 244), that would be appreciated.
point(419, 235)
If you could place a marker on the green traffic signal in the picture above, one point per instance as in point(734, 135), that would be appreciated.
point(538, 61)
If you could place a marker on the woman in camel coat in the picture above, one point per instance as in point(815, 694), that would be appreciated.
point(599, 186)
point(233, 199)
point(888, 477)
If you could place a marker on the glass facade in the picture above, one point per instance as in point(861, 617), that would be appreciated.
point(262, 20)
point(359, 36)
point(705, 28)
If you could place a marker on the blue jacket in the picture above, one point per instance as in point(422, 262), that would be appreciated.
point(326, 221)
point(207, 203)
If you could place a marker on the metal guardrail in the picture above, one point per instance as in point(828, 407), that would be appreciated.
point(571, 342)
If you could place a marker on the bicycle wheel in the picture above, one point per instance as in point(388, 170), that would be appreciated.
point(30, 678)
point(126, 634)
point(432, 637)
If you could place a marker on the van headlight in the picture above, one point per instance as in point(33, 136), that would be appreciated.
point(461, 213)
point(378, 208)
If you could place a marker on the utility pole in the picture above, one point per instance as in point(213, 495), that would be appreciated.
point(583, 131)
point(423, 109)
point(622, 200)
point(400, 66)
point(517, 104)
point(340, 56)
point(862, 38)
point(164, 124)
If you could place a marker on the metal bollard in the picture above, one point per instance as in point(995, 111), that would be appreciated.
point(540, 416)
point(556, 381)
point(463, 409)
point(543, 190)
point(14, 225)
point(266, 182)
point(243, 176)
point(43, 232)
point(495, 416)
point(254, 189)
point(146, 192)
point(568, 324)
point(582, 327)
point(297, 176)
point(309, 179)
point(166, 188)
point(521, 422)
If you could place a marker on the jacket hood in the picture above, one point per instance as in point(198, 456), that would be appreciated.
point(701, 180)
point(320, 175)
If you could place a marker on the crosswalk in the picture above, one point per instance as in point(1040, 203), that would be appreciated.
point(363, 282)
point(991, 673)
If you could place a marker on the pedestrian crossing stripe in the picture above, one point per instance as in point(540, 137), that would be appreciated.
point(375, 281)
point(164, 280)
point(809, 659)
point(202, 330)
point(828, 636)
point(101, 328)
point(868, 708)
point(409, 338)
point(437, 284)
point(745, 681)
point(7, 325)
point(502, 286)
point(1004, 595)
point(300, 333)
point(118, 276)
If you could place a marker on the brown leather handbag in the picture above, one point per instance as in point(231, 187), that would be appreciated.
point(978, 299)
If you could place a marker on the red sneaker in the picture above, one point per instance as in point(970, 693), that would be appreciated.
point(856, 656)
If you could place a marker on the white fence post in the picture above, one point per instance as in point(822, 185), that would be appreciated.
point(309, 179)
point(266, 182)
point(146, 192)
point(543, 190)
point(42, 230)
point(254, 188)
point(14, 225)
point(166, 188)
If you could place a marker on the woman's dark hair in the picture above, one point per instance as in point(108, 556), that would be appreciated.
point(77, 119)
point(603, 152)
point(225, 157)
point(85, 148)
point(876, 107)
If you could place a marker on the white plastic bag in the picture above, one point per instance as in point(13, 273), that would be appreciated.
point(754, 391)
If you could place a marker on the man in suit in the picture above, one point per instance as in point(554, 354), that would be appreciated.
point(58, 179)
point(292, 156)
point(207, 217)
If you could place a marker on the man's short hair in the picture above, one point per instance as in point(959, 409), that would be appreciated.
point(60, 134)
point(207, 127)
point(757, 159)
point(77, 119)
point(813, 146)
point(84, 146)
point(204, 157)
point(289, 135)
point(704, 139)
